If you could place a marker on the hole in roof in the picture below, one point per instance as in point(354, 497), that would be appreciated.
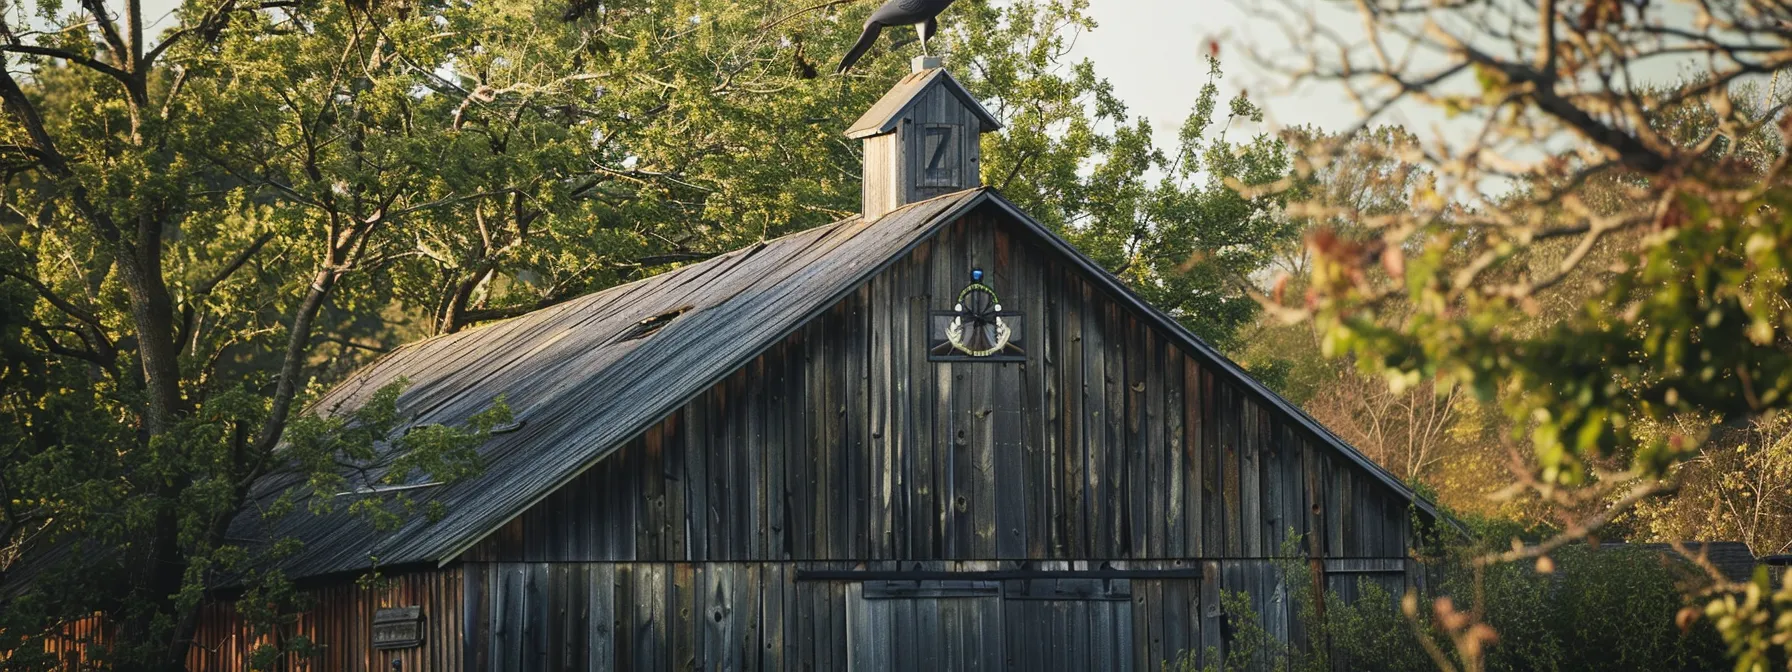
point(651, 325)
point(384, 489)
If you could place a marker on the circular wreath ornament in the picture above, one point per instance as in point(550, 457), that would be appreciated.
point(978, 330)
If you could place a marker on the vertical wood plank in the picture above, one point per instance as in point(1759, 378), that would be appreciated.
point(823, 440)
point(916, 448)
point(756, 521)
point(652, 532)
point(1095, 434)
point(1233, 470)
point(936, 468)
point(1038, 414)
point(1212, 615)
point(855, 407)
point(683, 617)
point(1075, 395)
point(1135, 476)
point(800, 454)
point(1156, 515)
point(1177, 543)
point(1251, 477)
point(696, 454)
point(772, 623)
point(884, 391)
point(627, 616)
point(1102, 633)
point(1115, 464)
point(673, 470)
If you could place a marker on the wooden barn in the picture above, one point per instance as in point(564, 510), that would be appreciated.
point(932, 437)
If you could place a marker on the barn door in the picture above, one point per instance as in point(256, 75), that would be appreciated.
point(1028, 624)
point(897, 626)
point(1068, 624)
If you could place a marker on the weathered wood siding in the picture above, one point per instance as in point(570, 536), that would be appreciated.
point(75, 644)
point(844, 447)
point(845, 443)
point(340, 623)
point(763, 616)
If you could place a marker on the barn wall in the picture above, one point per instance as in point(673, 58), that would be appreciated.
point(845, 443)
point(844, 447)
point(754, 616)
point(340, 623)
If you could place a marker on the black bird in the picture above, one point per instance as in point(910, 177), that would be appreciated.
point(921, 13)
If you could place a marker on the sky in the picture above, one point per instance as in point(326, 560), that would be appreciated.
point(1154, 54)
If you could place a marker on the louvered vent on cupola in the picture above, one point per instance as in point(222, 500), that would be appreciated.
point(921, 140)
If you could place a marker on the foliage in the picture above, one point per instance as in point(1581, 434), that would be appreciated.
point(1739, 487)
point(1608, 609)
point(1251, 647)
point(1697, 264)
point(1604, 258)
point(1756, 622)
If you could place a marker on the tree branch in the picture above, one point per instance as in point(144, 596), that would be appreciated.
point(108, 30)
point(72, 57)
point(1581, 529)
point(190, 310)
point(50, 295)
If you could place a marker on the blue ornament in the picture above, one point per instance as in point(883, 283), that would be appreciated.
point(976, 275)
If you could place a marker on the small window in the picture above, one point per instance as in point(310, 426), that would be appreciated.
point(651, 325)
point(939, 155)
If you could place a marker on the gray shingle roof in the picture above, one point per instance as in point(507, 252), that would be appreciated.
point(1732, 558)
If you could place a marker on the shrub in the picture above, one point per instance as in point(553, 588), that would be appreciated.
point(1600, 609)
point(1610, 609)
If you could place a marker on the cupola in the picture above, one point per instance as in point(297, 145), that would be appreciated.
point(922, 140)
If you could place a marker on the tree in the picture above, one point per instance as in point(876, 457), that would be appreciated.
point(1681, 312)
point(1738, 487)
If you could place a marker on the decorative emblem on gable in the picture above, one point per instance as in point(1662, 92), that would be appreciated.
point(976, 328)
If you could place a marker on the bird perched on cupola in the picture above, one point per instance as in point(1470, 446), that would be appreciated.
point(920, 13)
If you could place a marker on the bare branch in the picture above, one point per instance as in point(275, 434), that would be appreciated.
point(72, 57)
point(1580, 529)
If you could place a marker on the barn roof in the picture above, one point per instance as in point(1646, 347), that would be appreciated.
point(883, 116)
point(579, 386)
point(1731, 558)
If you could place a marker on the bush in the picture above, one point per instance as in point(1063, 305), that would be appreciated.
point(1600, 609)
point(1610, 609)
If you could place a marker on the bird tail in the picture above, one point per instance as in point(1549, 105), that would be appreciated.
point(866, 39)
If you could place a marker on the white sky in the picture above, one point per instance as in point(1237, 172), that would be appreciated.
point(1153, 51)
